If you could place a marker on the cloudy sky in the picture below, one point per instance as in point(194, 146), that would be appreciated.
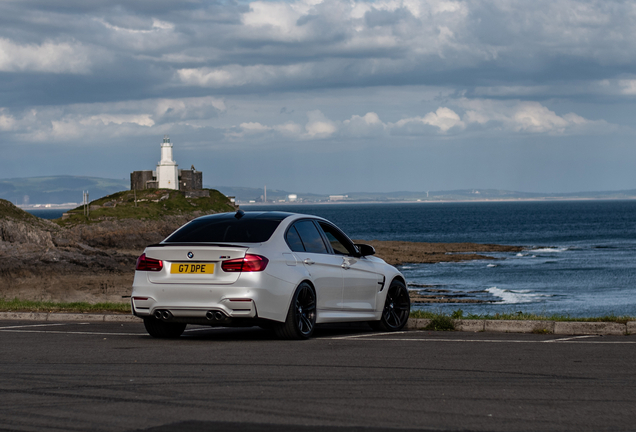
point(324, 96)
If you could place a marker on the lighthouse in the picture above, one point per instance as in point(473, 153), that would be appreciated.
point(167, 169)
point(167, 175)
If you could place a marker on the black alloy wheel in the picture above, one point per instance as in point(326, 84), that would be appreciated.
point(397, 308)
point(301, 318)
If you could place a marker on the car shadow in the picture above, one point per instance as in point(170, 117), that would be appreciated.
point(195, 332)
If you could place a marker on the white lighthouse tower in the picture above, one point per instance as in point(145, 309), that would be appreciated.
point(167, 169)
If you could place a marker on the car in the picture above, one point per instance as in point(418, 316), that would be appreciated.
point(282, 271)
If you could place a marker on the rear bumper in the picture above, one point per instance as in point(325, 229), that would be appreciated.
point(143, 306)
point(254, 295)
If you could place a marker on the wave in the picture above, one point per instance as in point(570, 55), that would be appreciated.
point(516, 296)
point(549, 250)
point(492, 265)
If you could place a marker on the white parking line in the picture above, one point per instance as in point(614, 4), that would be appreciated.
point(371, 335)
point(204, 328)
point(70, 332)
point(37, 325)
point(571, 338)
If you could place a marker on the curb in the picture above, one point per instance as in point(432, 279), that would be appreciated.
point(570, 328)
point(492, 326)
point(52, 316)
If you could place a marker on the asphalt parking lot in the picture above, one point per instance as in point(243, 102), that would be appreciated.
point(113, 377)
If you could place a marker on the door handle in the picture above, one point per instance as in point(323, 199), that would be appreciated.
point(308, 261)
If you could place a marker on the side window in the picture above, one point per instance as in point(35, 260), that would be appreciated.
point(293, 240)
point(339, 243)
point(310, 237)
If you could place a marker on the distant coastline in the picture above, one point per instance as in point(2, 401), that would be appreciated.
point(548, 199)
point(54, 211)
point(63, 192)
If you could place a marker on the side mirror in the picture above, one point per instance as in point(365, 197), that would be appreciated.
point(365, 249)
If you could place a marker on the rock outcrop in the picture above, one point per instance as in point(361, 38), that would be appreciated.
point(93, 262)
point(20, 227)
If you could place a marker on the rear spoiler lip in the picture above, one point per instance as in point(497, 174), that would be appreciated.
point(199, 244)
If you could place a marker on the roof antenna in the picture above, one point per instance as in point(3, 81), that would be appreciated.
point(239, 214)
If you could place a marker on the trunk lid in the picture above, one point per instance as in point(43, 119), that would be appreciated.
point(195, 264)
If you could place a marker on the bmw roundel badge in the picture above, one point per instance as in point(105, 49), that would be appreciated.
point(190, 255)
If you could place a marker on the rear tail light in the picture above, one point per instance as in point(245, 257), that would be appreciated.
point(148, 264)
point(251, 263)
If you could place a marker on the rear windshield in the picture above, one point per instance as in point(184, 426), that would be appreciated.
point(251, 228)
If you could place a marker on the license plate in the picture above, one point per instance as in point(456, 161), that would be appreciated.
point(192, 268)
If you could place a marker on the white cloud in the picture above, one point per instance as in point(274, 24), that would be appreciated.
point(319, 126)
point(523, 116)
point(444, 119)
point(237, 75)
point(279, 18)
point(7, 122)
point(498, 117)
point(289, 129)
point(142, 35)
point(163, 25)
point(253, 127)
point(367, 125)
point(106, 119)
point(628, 87)
point(156, 26)
point(47, 57)
point(63, 130)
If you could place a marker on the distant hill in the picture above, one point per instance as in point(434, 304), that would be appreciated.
point(68, 189)
point(245, 194)
point(58, 189)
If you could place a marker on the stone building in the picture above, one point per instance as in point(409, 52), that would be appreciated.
point(167, 175)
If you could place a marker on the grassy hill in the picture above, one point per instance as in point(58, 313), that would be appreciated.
point(149, 204)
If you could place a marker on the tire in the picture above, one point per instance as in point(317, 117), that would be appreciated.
point(396, 309)
point(301, 318)
point(163, 330)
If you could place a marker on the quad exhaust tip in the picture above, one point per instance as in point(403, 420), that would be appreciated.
point(163, 315)
point(215, 316)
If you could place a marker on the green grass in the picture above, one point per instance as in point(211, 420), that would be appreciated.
point(439, 321)
point(150, 204)
point(17, 305)
point(439, 317)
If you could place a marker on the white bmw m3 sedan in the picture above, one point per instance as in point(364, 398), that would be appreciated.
point(282, 271)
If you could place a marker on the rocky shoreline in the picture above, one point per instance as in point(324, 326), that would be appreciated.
point(401, 252)
point(95, 262)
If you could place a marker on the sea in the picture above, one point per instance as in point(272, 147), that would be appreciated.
point(579, 257)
